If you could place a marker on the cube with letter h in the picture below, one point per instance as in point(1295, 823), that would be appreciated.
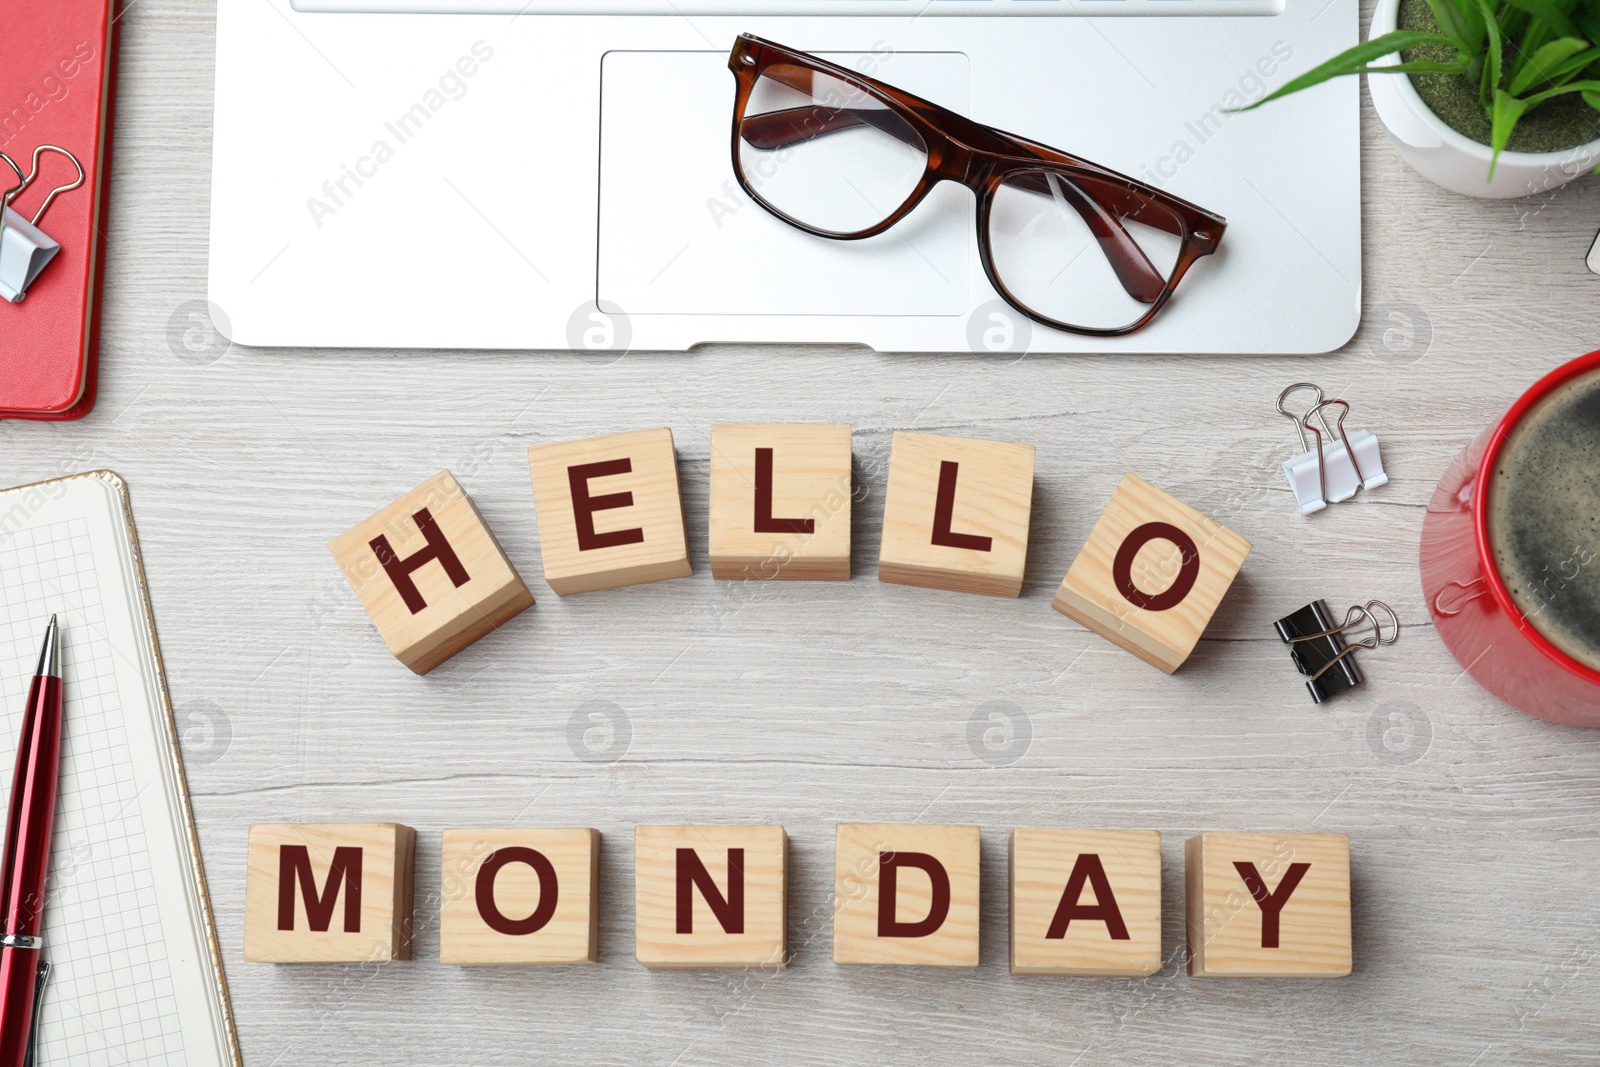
point(1268, 905)
point(906, 893)
point(609, 511)
point(509, 896)
point(956, 514)
point(711, 896)
point(780, 501)
point(328, 893)
point(430, 573)
point(1085, 902)
point(1151, 574)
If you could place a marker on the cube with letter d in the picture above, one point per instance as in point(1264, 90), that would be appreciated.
point(711, 896)
point(328, 893)
point(609, 511)
point(519, 896)
point(906, 893)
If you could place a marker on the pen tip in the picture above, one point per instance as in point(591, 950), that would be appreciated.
point(50, 654)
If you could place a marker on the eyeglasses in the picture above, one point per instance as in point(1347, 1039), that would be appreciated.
point(1064, 241)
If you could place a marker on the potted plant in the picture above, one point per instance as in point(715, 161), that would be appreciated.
point(1495, 98)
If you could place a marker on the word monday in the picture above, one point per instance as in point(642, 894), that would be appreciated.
point(1082, 902)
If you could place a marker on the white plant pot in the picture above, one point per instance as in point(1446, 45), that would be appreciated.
point(1451, 159)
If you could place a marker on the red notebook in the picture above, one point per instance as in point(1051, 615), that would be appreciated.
point(57, 72)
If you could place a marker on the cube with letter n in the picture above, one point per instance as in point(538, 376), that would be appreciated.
point(609, 511)
point(711, 896)
point(328, 892)
point(906, 893)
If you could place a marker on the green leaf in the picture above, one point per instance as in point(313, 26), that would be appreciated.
point(1592, 98)
point(1575, 64)
point(1491, 69)
point(1540, 66)
point(1554, 15)
point(1507, 110)
point(1461, 21)
point(1356, 60)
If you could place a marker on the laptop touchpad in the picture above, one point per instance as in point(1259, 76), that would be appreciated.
point(679, 236)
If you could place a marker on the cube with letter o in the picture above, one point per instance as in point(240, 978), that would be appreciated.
point(519, 896)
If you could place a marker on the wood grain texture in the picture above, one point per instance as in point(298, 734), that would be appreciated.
point(443, 617)
point(807, 704)
point(1114, 934)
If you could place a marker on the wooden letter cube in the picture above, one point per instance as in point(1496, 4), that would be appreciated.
point(906, 893)
point(430, 574)
point(519, 896)
point(1268, 905)
point(328, 893)
point(1085, 902)
point(780, 501)
point(1151, 574)
point(956, 514)
point(609, 511)
point(711, 896)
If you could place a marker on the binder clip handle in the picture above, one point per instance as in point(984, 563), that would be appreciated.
point(1354, 617)
point(16, 191)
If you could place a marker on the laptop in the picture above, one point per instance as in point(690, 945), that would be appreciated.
point(555, 174)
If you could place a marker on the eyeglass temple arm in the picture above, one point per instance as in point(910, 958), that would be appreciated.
point(791, 126)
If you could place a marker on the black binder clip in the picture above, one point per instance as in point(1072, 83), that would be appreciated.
point(1320, 651)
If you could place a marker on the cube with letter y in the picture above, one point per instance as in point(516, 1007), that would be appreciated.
point(609, 511)
point(430, 573)
point(780, 501)
point(711, 896)
point(519, 896)
point(328, 892)
point(956, 514)
point(906, 893)
point(1268, 905)
point(1085, 902)
point(1151, 574)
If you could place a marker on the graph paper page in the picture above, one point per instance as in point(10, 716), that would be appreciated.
point(132, 980)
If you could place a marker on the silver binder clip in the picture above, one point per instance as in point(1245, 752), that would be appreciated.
point(25, 250)
point(1328, 472)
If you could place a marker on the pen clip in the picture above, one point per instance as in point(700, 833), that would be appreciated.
point(41, 980)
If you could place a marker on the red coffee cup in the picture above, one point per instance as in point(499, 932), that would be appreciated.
point(1467, 597)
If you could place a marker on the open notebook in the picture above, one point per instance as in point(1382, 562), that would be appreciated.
point(136, 976)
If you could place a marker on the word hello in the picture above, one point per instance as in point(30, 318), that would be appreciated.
point(1082, 902)
point(956, 514)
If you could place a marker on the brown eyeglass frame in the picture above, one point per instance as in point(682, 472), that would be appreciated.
point(979, 157)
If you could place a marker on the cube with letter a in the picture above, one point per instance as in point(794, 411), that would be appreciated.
point(519, 896)
point(1151, 574)
point(328, 893)
point(430, 573)
point(906, 893)
point(711, 896)
point(1085, 902)
point(609, 511)
point(1268, 905)
point(780, 501)
point(956, 514)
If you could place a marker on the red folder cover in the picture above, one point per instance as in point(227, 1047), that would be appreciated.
point(57, 73)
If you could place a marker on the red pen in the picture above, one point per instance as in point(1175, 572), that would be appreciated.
point(26, 856)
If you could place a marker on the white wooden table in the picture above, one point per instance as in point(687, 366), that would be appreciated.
point(1473, 826)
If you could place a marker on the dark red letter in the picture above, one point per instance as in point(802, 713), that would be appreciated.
point(437, 548)
point(1089, 869)
point(294, 864)
point(549, 890)
point(944, 509)
point(584, 506)
point(889, 864)
point(693, 874)
point(765, 523)
point(1271, 903)
point(1188, 567)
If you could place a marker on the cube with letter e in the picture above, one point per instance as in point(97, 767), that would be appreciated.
point(1268, 905)
point(328, 892)
point(711, 896)
point(609, 511)
point(519, 896)
point(906, 893)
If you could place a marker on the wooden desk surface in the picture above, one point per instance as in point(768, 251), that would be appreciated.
point(1473, 826)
